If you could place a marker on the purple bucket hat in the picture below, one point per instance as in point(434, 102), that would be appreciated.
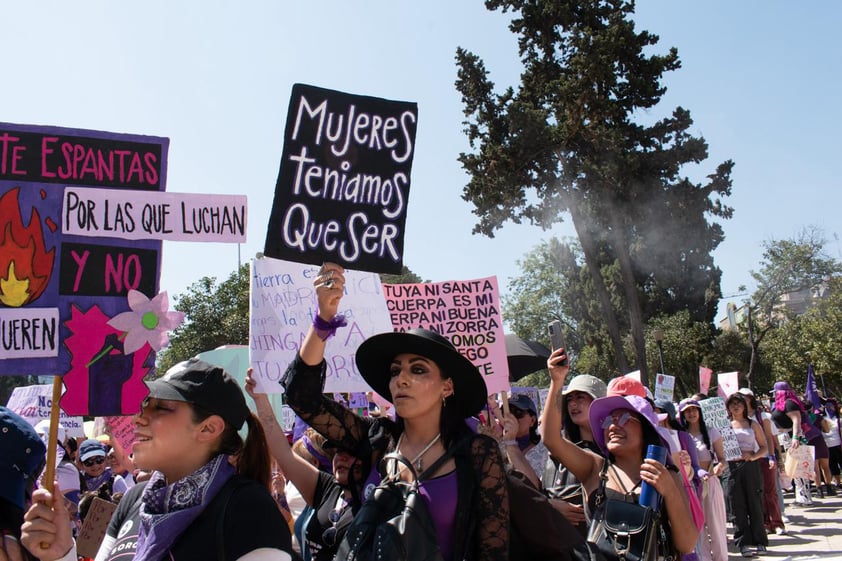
point(602, 407)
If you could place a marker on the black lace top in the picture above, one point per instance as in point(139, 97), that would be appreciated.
point(482, 502)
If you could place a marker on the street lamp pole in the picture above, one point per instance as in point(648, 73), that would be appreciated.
point(658, 335)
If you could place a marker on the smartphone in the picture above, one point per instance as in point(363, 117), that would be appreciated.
point(556, 338)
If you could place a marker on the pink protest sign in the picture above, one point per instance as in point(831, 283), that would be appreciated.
point(728, 383)
point(141, 215)
point(704, 379)
point(466, 312)
point(121, 430)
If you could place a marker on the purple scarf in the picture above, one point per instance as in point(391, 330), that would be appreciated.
point(93, 483)
point(167, 510)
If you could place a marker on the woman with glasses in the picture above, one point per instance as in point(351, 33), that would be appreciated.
point(208, 496)
point(96, 470)
point(335, 496)
point(434, 389)
point(623, 427)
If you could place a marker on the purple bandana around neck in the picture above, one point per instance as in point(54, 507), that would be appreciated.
point(93, 483)
point(167, 510)
point(523, 442)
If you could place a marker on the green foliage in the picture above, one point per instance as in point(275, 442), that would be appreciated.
point(812, 338)
point(566, 142)
point(787, 266)
point(216, 315)
point(685, 342)
point(730, 352)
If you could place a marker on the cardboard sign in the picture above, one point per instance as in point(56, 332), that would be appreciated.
point(283, 303)
point(715, 416)
point(343, 184)
point(94, 528)
point(664, 386)
point(466, 312)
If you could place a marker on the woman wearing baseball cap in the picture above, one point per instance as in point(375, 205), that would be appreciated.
point(433, 389)
point(623, 427)
point(208, 496)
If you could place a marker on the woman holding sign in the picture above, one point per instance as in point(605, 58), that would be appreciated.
point(208, 497)
point(433, 389)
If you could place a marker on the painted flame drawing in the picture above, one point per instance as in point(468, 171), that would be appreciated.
point(25, 264)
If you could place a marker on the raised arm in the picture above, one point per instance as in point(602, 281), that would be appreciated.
point(582, 464)
point(305, 377)
point(304, 475)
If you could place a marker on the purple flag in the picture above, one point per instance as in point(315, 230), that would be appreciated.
point(812, 391)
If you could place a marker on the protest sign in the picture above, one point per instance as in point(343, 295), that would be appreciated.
point(715, 416)
point(466, 312)
point(33, 403)
point(60, 289)
point(704, 379)
point(94, 528)
point(140, 215)
point(542, 394)
point(343, 184)
point(282, 305)
point(121, 431)
point(727, 383)
point(664, 386)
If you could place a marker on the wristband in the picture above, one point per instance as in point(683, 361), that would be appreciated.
point(327, 329)
point(510, 442)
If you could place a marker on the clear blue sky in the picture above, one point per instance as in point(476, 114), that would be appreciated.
point(761, 79)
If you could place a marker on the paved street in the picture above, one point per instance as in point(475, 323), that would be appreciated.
point(813, 533)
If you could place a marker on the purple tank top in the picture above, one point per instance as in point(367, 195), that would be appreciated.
point(440, 495)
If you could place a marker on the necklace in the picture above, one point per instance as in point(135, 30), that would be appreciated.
point(417, 461)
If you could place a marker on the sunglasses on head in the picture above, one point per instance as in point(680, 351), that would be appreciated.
point(90, 462)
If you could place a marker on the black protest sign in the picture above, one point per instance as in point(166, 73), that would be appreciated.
point(343, 184)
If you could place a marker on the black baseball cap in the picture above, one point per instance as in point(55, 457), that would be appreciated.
point(200, 383)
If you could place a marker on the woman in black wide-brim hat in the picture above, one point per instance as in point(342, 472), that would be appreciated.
point(433, 389)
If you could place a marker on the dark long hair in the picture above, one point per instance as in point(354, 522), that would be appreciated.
point(737, 396)
point(253, 459)
point(703, 428)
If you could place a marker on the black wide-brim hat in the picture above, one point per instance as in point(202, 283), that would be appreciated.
point(375, 355)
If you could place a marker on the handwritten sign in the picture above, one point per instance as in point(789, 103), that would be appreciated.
point(94, 528)
point(283, 303)
point(33, 403)
point(664, 386)
point(141, 215)
point(715, 416)
point(344, 180)
point(121, 431)
point(48, 272)
point(29, 332)
point(466, 312)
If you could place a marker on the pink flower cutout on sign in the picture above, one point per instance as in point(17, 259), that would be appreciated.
point(148, 321)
